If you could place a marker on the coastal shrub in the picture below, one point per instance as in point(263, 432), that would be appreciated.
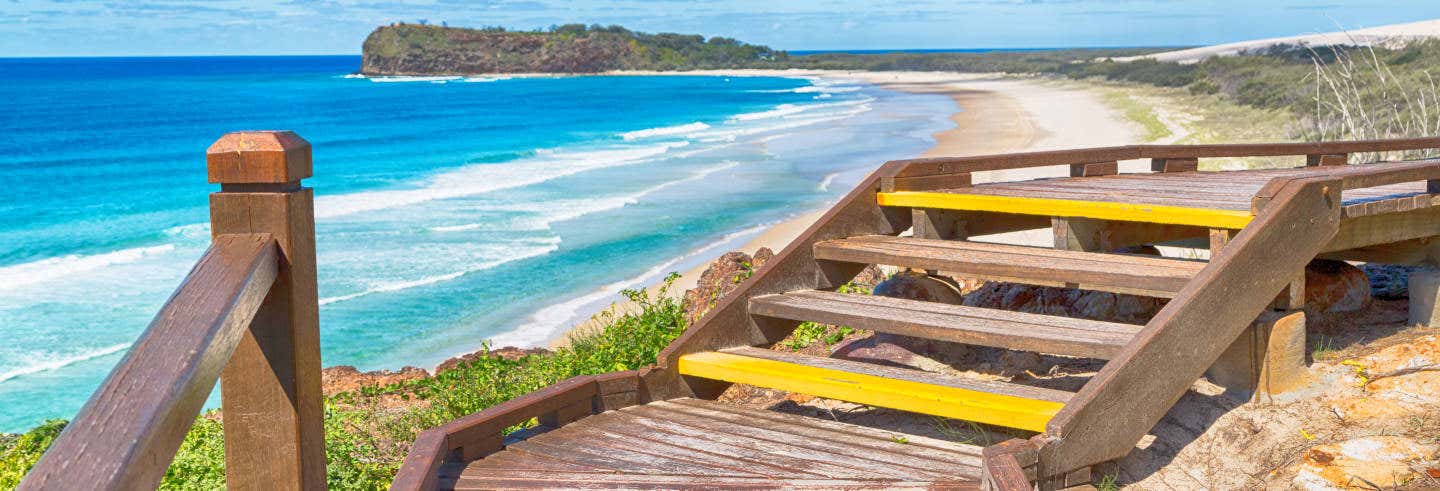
point(367, 433)
point(19, 453)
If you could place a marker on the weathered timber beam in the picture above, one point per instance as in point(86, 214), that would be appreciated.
point(1388, 228)
point(1183, 164)
point(1414, 252)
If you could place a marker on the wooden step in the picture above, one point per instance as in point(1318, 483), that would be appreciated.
point(954, 323)
point(1120, 273)
point(982, 401)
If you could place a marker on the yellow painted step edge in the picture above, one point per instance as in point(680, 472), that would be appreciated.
point(1102, 210)
point(949, 402)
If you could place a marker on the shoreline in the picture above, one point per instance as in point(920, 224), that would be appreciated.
point(990, 119)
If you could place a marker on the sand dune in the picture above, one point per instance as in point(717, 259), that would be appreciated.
point(1389, 35)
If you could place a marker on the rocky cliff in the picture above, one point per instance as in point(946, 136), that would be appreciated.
point(409, 49)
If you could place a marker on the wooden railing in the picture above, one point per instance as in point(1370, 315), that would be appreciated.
point(247, 314)
point(943, 172)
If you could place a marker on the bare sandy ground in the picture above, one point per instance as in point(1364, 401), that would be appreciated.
point(1388, 35)
point(998, 115)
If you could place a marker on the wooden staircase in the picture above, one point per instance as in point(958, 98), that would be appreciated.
point(1262, 228)
point(997, 403)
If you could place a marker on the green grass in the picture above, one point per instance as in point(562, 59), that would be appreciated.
point(1108, 483)
point(1324, 347)
point(809, 332)
point(367, 434)
point(1139, 113)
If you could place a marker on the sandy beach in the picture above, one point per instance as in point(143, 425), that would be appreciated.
point(997, 115)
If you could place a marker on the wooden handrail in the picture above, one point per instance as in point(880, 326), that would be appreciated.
point(1137, 387)
point(1372, 175)
point(950, 165)
point(476, 435)
point(1360, 177)
point(126, 435)
point(247, 314)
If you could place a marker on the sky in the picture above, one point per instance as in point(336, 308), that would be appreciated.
point(261, 27)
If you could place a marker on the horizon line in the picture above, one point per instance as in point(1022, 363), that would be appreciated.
point(835, 50)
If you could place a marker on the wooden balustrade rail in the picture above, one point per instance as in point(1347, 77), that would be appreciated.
point(246, 314)
point(943, 172)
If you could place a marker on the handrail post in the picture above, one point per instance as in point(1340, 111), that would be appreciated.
point(273, 411)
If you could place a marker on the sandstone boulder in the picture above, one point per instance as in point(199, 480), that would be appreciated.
point(720, 278)
point(914, 285)
point(1335, 286)
point(345, 378)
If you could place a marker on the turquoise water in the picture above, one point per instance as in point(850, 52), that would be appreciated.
point(449, 210)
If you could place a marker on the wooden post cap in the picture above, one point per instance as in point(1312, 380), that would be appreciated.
point(269, 157)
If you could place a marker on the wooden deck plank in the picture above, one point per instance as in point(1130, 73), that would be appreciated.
point(1126, 273)
point(805, 445)
point(881, 441)
point(783, 458)
point(697, 452)
point(567, 447)
point(1009, 405)
point(953, 323)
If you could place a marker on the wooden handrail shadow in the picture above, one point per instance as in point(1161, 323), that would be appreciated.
point(247, 314)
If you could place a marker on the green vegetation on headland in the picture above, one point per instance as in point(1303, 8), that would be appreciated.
point(412, 49)
point(367, 432)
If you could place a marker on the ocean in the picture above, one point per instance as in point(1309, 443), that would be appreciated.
point(450, 210)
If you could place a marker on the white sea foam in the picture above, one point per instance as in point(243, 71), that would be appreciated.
point(485, 178)
point(513, 252)
point(778, 111)
point(811, 89)
point(25, 274)
point(191, 231)
point(832, 89)
point(484, 79)
point(825, 183)
point(664, 131)
point(556, 211)
point(400, 79)
point(731, 135)
point(49, 362)
point(547, 322)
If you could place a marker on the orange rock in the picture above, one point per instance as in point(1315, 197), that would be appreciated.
point(1357, 463)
